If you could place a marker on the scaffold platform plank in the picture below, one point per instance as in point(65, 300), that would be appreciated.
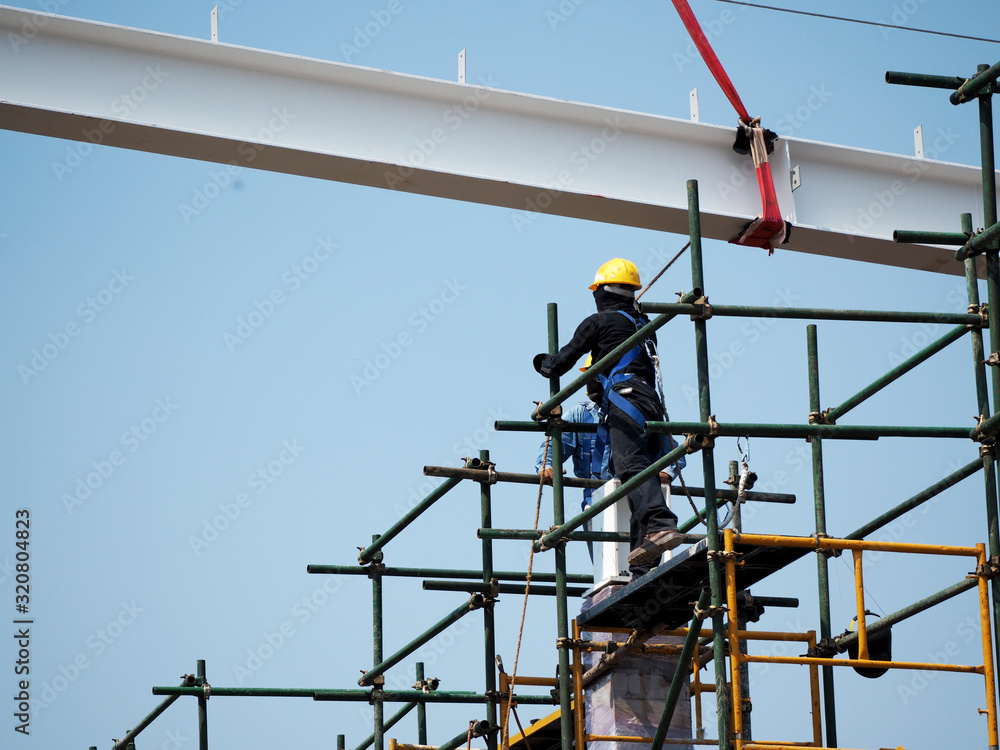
point(667, 593)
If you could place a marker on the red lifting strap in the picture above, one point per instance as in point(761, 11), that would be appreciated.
point(769, 228)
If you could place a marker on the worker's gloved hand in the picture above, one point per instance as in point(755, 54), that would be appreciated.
point(537, 362)
point(546, 474)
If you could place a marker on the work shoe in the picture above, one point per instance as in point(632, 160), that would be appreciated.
point(653, 546)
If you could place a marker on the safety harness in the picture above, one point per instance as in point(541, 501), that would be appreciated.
point(768, 229)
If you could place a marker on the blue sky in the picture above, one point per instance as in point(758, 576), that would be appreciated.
point(140, 290)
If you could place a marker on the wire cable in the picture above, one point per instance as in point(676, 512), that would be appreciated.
point(860, 21)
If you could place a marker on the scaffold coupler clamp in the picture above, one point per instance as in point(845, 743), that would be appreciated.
point(207, 689)
point(569, 643)
point(723, 555)
point(988, 570)
point(993, 360)
point(709, 611)
point(376, 567)
point(427, 685)
point(554, 415)
point(702, 309)
point(821, 417)
point(825, 648)
point(827, 552)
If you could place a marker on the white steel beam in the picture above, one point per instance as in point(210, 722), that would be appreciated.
point(87, 81)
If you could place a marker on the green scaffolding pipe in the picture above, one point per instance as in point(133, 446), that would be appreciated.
point(715, 576)
point(389, 723)
point(926, 81)
point(557, 535)
point(822, 566)
point(843, 641)
point(201, 681)
point(608, 360)
point(367, 555)
point(921, 497)
point(360, 696)
point(500, 575)
point(479, 587)
point(971, 89)
point(475, 602)
point(421, 709)
point(137, 729)
point(681, 671)
point(341, 742)
point(835, 431)
point(378, 713)
point(477, 729)
point(489, 625)
point(896, 372)
point(481, 475)
point(930, 238)
point(810, 313)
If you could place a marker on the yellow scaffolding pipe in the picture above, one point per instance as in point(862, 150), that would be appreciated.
point(581, 742)
point(859, 596)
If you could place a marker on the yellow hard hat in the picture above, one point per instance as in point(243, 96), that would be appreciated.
point(617, 271)
point(589, 361)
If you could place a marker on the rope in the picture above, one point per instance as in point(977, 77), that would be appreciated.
point(468, 745)
point(505, 739)
point(655, 278)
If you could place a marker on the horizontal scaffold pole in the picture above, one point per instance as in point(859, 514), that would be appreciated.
point(842, 642)
point(557, 535)
point(810, 313)
point(500, 575)
point(575, 536)
point(605, 363)
point(834, 431)
point(388, 724)
point(368, 554)
point(478, 587)
point(483, 475)
point(930, 238)
point(921, 497)
point(897, 372)
point(475, 602)
point(365, 696)
point(924, 80)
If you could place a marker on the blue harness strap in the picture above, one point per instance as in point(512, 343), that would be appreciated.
point(618, 376)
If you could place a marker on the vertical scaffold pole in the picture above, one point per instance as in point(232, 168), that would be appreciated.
point(375, 571)
point(715, 575)
point(341, 742)
point(987, 452)
point(421, 709)
point(202, 708)
point(558, 518)
point(822, 571)
point(489, 632)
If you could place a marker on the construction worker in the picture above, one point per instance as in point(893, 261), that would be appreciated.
point(630, 399)
point(590, 451)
